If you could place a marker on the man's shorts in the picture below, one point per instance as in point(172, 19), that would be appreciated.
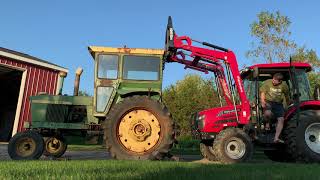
point(276, 108)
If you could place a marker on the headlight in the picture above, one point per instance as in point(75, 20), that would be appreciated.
point(201, 122)
point(201, 117)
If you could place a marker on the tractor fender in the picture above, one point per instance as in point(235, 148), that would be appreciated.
point(153, 94)
point(122, 94)
point(306, 105)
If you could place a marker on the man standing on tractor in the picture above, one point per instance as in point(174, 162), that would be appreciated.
point(273, 92)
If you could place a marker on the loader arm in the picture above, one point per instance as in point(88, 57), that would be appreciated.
point(221, 61)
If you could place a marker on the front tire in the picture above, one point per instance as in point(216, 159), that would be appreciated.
point(139, 128)
point(206, 150)
point(27, 145)
point(303, 137)
point(54, 146)
point(232, 145)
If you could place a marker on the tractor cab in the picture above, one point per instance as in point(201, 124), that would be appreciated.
point(123, 72)
point(254, 76)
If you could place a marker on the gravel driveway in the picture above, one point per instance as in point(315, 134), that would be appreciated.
point(85, 155)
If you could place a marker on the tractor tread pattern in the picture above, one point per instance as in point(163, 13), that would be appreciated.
point(113, 145)
point(30, 134)
point(206, 152)
point(219, 145)
point(296, 147)
point(59, 153)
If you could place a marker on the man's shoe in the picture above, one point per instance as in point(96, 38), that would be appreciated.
point(278, 141)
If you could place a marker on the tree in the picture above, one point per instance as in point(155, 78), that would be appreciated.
point(273, 44)
point(83, 93)
point(188, 96)
point(272, 34)
point(307, 55)
point(310, 56)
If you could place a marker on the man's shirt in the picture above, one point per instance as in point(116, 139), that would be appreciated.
point(274, 93)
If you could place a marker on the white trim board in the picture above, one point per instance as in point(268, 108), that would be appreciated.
point(32, 61)
point(18, 110)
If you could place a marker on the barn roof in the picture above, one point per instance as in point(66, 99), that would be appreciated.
point(30, 59)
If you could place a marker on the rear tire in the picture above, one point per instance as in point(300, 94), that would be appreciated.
point(139, 128)
point(232, 145)
point(303, 140)
point(27, 145)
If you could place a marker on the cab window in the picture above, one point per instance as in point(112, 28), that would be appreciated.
point(108, 66)
point(141, 68)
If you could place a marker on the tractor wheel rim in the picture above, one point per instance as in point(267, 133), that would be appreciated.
point(235, 148)
point(139, 131)
point(312, 137)
point(53, 145)
point(25, 147)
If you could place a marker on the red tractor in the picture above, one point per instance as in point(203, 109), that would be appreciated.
point(229, 133)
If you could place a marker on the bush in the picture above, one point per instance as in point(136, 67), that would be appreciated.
point(188, 96)
point(187, 142)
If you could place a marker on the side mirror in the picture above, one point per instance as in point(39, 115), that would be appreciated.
point(255, 72)
point(316, 92)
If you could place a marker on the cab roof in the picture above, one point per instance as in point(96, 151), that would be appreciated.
point(274, 67)
point(98, 49)
point(299, 65)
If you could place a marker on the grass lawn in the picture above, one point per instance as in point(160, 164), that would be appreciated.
point(111, 169)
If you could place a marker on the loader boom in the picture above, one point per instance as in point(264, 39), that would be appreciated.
point(221, 61)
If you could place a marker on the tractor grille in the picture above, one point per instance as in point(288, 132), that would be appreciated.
point(56, 113)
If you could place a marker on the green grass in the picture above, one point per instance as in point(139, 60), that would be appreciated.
point(186, 145)
point(86, 148)
point(185, 151)
point(111, 169)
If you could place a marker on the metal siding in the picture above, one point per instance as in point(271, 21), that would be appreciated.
point(38, 79)
point(54, 82)
point(49, 84)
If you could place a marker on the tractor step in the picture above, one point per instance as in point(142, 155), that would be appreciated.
point(265, 138)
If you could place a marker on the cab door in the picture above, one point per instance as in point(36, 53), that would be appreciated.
point(106, 81)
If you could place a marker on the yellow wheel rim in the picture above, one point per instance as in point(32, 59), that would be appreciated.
point(25, 147)
point(53, 145)
point(139, 131)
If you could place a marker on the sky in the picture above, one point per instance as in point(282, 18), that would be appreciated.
point(60, 31)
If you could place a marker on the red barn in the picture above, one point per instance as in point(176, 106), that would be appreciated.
point(21, 76)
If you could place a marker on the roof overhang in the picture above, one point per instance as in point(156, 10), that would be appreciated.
point(96, 49)
point(33, 61)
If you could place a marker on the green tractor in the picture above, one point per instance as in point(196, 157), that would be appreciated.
point(126, 113)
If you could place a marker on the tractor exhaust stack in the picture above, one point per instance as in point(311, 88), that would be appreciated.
point(77, 81)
